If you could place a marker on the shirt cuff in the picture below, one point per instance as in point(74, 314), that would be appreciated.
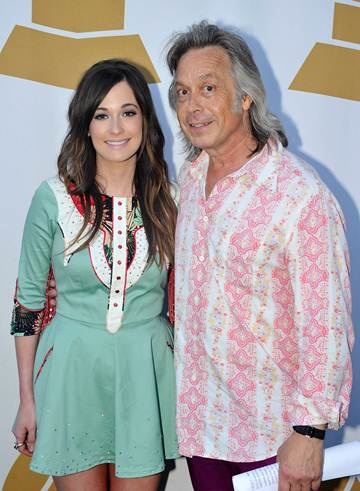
point(317, 412)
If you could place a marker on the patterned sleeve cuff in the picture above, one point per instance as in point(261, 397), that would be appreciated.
point(318, 411)
point(26, 322)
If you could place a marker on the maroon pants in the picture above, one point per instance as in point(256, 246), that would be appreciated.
point(216, 475)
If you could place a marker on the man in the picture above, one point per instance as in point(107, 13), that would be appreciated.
point(263, 330)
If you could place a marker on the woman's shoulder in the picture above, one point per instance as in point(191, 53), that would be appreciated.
point(48, 187)
point(51, 194)
point(43, 193)
point(56, 185)
point(43, 203)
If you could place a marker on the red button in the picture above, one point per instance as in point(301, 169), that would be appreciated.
point(119, 262)
point(115, 304)
point(117, 291)
point(119, 232)
point(118, 277)
point(119, 217)
point(120, 246)
point(119, 203)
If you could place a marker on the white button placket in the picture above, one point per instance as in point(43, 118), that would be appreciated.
point(118, 280)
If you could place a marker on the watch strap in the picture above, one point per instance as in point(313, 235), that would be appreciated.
point(310, 431)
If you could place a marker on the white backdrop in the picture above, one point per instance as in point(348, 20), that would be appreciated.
point(322, 129)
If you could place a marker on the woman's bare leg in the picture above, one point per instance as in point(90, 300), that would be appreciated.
point(94, 479)
point(147, 483)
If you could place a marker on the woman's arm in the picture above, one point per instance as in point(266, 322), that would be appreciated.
point(29, 306)
point(24, 427)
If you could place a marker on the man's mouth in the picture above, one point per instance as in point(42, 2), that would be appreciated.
point(200, 125)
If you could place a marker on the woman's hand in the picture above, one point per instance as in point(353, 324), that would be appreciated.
point(24, 428)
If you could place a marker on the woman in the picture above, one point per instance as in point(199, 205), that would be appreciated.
point(97, 387)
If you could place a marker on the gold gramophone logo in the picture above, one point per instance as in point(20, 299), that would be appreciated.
point(60, 60)
point(20, 478)
point(330, 69)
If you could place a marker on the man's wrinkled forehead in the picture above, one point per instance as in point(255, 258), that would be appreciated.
point(203, 63)
point(203, 77)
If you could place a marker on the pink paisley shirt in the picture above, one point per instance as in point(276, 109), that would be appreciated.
point(263, 327)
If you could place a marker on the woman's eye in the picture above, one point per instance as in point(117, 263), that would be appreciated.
point(100, 116)
point(129, 114)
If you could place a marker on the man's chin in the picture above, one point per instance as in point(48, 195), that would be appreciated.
point(199, 142)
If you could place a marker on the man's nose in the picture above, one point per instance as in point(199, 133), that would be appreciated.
point(194, 102)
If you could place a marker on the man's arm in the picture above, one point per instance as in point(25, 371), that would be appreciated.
point(318, 265)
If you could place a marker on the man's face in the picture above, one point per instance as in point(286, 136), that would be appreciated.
point(205, 100)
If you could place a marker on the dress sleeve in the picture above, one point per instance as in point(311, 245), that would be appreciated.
point(318, 262)
point(35, 264)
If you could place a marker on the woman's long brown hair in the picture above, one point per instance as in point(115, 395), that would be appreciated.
point(77, 159)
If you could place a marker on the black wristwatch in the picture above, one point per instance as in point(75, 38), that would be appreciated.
point(310, 431)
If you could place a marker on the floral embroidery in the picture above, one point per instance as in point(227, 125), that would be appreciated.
point(26, 322)
point(29, 322)
point(134, 223)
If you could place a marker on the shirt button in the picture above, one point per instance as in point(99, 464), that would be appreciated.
point(119, 246)
point(119, 232)
point(201, 258)
point(115, 304)
point(119, 203)
point(118, 277)
point(119, 262)
point(117, 291)
point(206, 219)
point(119, 218)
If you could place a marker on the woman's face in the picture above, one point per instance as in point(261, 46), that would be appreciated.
point(116, 127)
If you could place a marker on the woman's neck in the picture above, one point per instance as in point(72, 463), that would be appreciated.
point(116, 180)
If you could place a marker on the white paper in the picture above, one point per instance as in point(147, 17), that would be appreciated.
point(339, 461)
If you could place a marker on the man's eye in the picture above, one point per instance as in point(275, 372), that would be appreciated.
point(208, 88)
point(181, 92)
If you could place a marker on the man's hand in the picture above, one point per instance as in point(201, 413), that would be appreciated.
point(301, 462)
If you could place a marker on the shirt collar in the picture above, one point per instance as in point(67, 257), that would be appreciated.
point(199, 166)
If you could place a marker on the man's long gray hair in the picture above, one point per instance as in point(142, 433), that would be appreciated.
point(246, 77)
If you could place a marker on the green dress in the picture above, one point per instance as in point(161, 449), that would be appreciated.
point(103, 376)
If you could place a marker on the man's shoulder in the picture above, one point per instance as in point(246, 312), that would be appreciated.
point(300, 173)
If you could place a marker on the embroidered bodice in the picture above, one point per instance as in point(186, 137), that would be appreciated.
point(103, 273)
